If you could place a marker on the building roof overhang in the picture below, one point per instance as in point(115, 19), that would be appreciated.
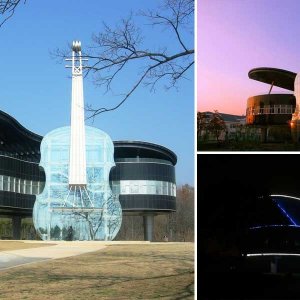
point(278, 77)
point(15, 138)
point(144, 149)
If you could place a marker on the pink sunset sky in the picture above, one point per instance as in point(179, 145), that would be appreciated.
point(235, 36)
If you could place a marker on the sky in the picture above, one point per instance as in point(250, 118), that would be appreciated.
point(233, 184)
point(273, 173)
point(36, 89)
point(235, 36)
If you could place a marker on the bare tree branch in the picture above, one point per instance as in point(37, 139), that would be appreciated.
point(8, 7)
point(181, 11)
point(155, 73)
point(115, 49)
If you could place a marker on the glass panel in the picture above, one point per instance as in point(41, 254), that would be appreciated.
point(28, 187)
point(12, 184)
point(5, 183)
point(150, 187)
point(84, 213)
point(59, 153)
point(35, 189)
point(1, 182)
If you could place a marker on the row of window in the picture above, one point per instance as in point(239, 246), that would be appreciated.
point(270, 109)
point(123, 187)
point(22, 186)
point(235, 125)
point(144, 187)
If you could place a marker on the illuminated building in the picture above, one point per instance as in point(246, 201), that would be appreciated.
point(272, 113)
point(282, 238)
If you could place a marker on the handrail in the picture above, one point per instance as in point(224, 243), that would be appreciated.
point(271, 110)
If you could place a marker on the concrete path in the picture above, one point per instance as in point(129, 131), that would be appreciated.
point(14, 258)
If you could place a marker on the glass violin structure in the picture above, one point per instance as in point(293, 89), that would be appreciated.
point(77, 202)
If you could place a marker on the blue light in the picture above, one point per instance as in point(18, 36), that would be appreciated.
point(286, 214)
point(274, 225)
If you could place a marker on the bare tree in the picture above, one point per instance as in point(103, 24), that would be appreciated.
point(180, 224)
point(177, 226)
point(202, 124)
point(114, 49)
point(7, 9)
point(216, 125)
point(95, 221)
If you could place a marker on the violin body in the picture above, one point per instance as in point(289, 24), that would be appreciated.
point(92, 212)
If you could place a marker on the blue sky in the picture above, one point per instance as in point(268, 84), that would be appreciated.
point(36, 90)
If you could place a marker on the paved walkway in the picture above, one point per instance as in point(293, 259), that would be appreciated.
point(14, 258)
point(56, 249)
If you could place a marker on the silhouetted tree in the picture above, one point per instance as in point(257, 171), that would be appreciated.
point(202, 124)
point(216, 125)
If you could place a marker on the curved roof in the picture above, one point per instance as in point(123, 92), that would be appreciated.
point(14, 138)
point(143, 149)
point(281, 78)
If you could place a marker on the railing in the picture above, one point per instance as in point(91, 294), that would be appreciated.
point(24, 157)
point(271, 110)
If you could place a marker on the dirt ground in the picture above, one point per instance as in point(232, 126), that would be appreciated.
point(15, 245)
point(151, 271)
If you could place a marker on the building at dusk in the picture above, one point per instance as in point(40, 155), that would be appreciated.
point(272, 113)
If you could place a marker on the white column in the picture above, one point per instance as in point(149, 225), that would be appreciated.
point(77, 166)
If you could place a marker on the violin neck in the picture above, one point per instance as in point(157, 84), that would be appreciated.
point(77, 163)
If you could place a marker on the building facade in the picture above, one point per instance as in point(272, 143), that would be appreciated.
point(269, 112)
point(143, 178)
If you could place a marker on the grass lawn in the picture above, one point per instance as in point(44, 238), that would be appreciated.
point(151, 271)
point(13, 245)
point(246, 146)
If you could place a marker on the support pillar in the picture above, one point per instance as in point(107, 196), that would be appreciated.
point(16, 227)
point(274, 265)
point(267, 134)
point(148, 227)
